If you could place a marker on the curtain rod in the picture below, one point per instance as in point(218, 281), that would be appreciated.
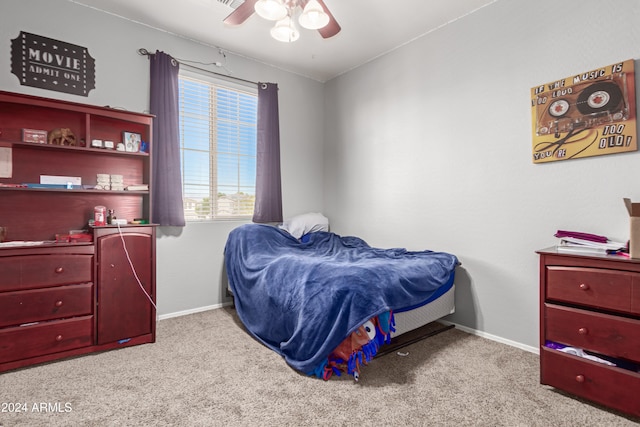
point(145, 52)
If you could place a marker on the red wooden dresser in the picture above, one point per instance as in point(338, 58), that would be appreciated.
point(591, 303)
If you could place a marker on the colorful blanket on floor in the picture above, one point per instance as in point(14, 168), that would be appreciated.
point(358, 348)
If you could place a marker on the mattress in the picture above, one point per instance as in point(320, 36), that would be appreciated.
point(409, 320)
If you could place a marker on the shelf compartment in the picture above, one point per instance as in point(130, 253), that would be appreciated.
point(58, 211)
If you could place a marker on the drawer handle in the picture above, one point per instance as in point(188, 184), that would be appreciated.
point(59, 338)
point(580, 378)
point(583, 331)
point(59, 303)
point(584, 286)
point(59, 270)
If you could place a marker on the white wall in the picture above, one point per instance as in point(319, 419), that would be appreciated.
point(429, 147)
point(189, 260)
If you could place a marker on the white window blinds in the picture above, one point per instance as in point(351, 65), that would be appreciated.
point(218, 149)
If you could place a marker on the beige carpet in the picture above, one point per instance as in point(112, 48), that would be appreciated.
point(204, 370)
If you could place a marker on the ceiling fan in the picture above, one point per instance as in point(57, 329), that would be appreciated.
point(315, 16)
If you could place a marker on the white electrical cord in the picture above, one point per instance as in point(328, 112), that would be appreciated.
point(126, 252)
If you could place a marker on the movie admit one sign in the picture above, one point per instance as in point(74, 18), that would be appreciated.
point(51, 64)
point(589, 114)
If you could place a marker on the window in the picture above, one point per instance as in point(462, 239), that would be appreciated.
point(218, 148)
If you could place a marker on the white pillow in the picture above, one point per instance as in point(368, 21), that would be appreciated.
point(300, 225)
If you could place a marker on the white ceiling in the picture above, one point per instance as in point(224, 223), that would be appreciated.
point(370, 28)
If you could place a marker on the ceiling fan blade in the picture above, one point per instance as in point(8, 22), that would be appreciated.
point(241, 14)
point(332, 28)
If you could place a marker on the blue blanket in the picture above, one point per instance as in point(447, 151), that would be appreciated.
point(302, 299)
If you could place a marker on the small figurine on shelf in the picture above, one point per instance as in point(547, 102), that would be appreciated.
point(111, 216)
point(61, 136)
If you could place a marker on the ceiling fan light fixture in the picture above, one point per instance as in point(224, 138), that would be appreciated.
point(272, 10)
point(285, 31)
point(313, 17)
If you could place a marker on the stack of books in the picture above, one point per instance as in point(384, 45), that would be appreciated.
point(585, 243)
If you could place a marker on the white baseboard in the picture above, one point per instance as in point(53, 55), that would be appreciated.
point(501, 340)
point(192, 311)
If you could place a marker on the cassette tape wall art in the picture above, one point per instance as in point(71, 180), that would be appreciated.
point(585, 115)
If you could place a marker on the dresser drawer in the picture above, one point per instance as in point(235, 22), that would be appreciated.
point(36, 271)
point(610, 386)
point(22, 342)
point(36, 305)
point(602, 333)
point(592, 287)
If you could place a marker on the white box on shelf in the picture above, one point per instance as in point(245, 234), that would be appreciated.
point(64, 180)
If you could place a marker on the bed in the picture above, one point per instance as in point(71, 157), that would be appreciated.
point(328, 303)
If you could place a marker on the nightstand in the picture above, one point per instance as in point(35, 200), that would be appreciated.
point(591, 302)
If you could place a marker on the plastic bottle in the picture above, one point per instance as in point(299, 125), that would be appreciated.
point(99, 216)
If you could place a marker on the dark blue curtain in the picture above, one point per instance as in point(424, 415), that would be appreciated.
point(166, 191)
point(268, 205)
